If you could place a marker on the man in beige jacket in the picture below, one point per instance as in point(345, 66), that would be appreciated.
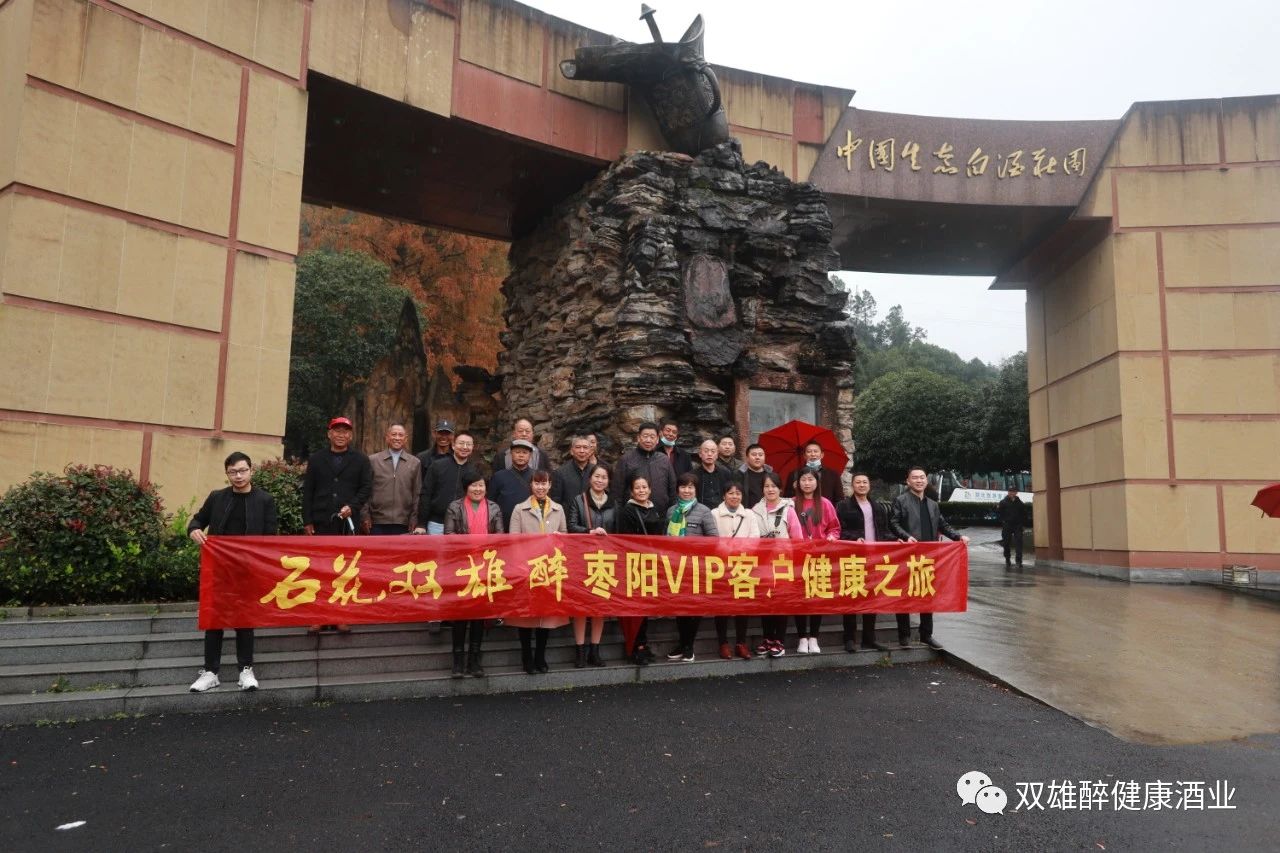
point(397, 479)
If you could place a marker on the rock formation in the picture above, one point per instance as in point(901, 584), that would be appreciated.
point(670, 285)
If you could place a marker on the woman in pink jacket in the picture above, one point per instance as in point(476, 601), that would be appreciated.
point(817, 520)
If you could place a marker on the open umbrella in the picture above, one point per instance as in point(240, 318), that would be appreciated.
point(1268, 500)
point(784, 447)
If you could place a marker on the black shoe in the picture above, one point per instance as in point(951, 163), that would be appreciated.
point(580, 659)
point(904, 642)
point(459, 665)
point(676, 654)
point(850, 646)
point(639, 658)
point(540, 650)
point(473, 665)
point(873, 646)
point(933, 644)
point(649, 656)
point(593, 655)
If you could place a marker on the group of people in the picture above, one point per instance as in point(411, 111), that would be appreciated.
point(655, 489)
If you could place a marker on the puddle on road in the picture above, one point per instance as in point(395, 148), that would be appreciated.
point(1151, 663)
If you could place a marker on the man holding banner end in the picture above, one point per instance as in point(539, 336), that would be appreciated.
point(238, 510)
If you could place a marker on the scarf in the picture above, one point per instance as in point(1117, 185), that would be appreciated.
point(679, 523)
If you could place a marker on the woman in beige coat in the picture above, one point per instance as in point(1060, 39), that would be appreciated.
point(539, 514)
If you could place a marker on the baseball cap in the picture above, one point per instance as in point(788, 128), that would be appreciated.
point(444, 425)
point(337, 422)
point(520, 442)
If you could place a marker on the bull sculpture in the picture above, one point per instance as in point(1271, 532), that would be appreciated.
point(673, 78)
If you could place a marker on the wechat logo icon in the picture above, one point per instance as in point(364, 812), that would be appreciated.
point(975, 789)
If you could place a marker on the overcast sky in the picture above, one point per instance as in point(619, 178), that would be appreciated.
point(1067, 59)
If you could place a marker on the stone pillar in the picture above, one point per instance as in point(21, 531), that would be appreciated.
point(1153, 358)
point(672, 286)
point(150, 187)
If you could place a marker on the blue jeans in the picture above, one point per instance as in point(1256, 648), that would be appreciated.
point(435, 528)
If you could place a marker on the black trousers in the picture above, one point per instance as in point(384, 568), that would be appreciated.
point(213, 649)
point(807, 626)
point(739, 629)
point(460, 631)
point(687, 630)
point(1011, 537)
point(868, 627)
point(389, 529)
point(904, 626)
point(773, 627)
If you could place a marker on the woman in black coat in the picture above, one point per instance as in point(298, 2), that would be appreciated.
point(592, 511)
point(639, 517)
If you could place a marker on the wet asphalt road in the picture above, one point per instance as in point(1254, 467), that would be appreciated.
point(821, 760)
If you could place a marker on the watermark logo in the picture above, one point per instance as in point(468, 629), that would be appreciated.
point(975, 788)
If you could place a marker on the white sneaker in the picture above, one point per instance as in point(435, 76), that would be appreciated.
point(803, 648)
point(813, 646)
point(247, 681)
point(204, 681)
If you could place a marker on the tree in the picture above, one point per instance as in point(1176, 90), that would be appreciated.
point(920, 354)
point(1005, 438)
point(455, 279)
point(345, 315)
point(914, 417)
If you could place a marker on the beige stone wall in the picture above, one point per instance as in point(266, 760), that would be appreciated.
point(150, 186)
point(1170, 327)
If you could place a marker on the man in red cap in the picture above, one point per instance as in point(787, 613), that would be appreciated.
point(336, 487)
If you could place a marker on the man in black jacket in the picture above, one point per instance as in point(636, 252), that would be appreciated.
point(337, 484)
point(668, 434)
point(509, 486)
point(238, 510)
point(1013, 518)
point(442, 484)
point(646, 460)
point(916, 517)
point(570, 479)
point(712, 476)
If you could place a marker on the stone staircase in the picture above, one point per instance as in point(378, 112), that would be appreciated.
point(61, 664)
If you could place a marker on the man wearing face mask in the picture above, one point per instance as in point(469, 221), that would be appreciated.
point(832, 488)
point(681, 460)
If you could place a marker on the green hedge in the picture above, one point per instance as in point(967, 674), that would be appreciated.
point(974, 512)
point(92, 534)
point(95, 535)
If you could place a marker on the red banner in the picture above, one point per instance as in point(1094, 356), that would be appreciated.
point(265, 581)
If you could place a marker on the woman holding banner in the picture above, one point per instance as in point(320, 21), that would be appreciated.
point(538, 514)
point(638, 517)
point(593, 512)
point(818, 521)
point(734, 521)
point(777, 516)
point(472, 515)
point(687, 517)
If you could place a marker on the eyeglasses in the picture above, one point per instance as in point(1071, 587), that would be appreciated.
point(233, 472)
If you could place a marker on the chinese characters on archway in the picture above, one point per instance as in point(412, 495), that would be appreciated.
point(890, 153)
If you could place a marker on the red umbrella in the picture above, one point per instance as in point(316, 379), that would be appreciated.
point(1268, 500)
point(784, 447)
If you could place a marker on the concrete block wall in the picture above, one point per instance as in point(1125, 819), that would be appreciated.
point(1155, 359)
point(150, 188)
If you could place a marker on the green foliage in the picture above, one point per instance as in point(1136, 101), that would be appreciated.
point(974, 512)
point(1005, 434)
point(283, 481)
point(918, 354)
point(91, 535)
point(345, 317)
point(914, 417)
